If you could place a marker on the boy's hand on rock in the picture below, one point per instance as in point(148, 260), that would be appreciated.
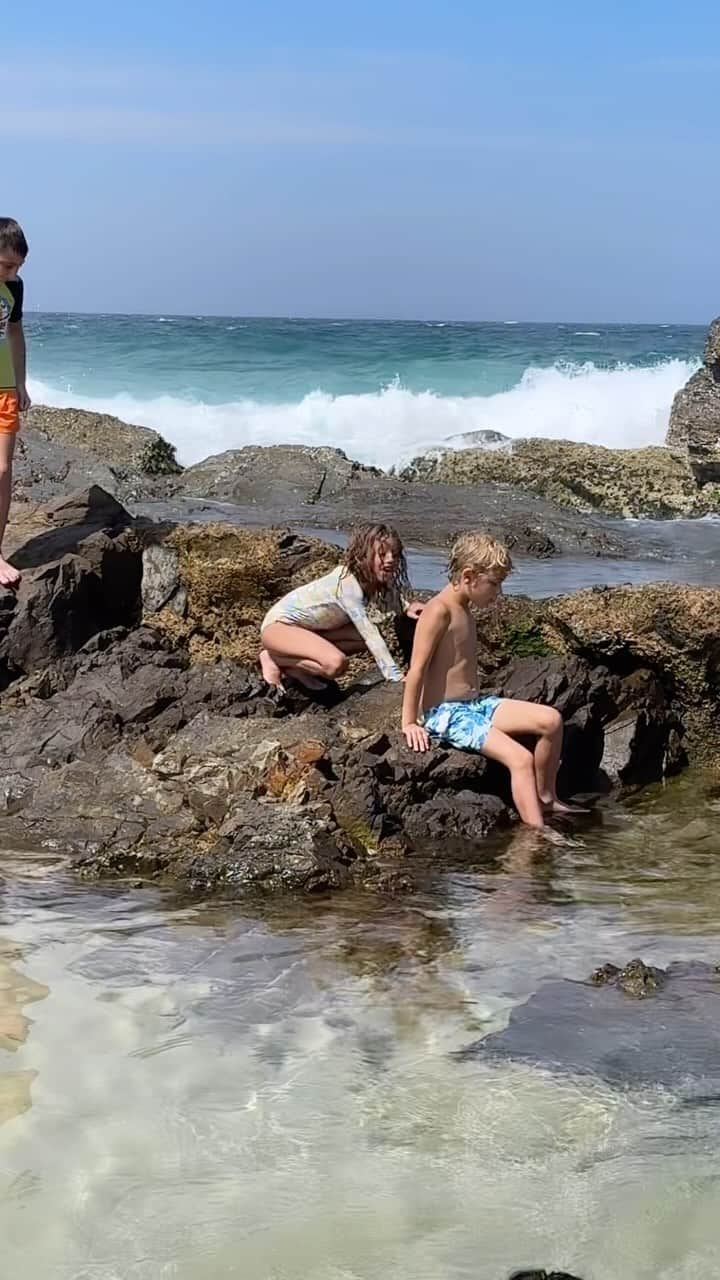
point(417, 737)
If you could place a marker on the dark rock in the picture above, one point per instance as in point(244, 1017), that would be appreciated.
point(636, 979)
point(86, 507)
point(320, 487)
point(671, 1039)
point(270, 847)
point(460, 817)
point(543, 1275)
point(695, 415)
point(59, 606)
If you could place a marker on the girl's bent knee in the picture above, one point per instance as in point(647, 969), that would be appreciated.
point(335, 667)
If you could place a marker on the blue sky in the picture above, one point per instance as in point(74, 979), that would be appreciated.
point(469, 161)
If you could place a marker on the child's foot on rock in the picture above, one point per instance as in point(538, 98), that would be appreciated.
point(270, 669)
point(9, 575)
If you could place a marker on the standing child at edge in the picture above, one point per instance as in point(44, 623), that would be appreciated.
point(441, 699)
point(313, 631)
point(14, 398)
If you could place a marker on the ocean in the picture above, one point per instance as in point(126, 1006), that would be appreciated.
point(382, 391)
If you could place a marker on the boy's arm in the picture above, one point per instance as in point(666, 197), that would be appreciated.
point(431, 627)
point(16, 343)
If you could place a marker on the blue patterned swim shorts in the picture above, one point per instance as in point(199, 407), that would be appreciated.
point(462, 724)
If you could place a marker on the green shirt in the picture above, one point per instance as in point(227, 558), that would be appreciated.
point(11, 300)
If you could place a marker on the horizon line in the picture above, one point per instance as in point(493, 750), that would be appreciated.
point(364, 319)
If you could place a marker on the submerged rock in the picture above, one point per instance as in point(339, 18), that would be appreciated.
point(670, 1038)
point(636, 979)
point(695, 415)
point(658, 483)
point(543, 1275)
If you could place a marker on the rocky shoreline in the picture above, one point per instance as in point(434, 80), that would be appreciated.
point(138, 739)
point(543, 497)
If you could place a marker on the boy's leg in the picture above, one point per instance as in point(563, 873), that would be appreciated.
point(9, 575)
point(545, 724)
point(500, 746)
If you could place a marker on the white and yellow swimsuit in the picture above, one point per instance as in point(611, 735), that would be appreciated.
point(332, 602)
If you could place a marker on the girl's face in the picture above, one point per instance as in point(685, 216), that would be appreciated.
point(385, 558)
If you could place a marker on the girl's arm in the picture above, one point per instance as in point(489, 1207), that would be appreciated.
point(430, 629)
point(352, 602)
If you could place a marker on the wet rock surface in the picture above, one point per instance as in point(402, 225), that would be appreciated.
point(137, 737)
point(668, 1037)
point(322, 488)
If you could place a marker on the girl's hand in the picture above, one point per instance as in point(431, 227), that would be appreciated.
point(415, 609)
point(417, 737)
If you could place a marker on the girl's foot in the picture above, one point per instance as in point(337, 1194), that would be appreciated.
point(270, 669)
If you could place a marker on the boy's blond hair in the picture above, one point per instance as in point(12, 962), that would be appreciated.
point(480, 553)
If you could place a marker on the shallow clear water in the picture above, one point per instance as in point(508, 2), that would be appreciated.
point(559, 575)
point(207, 1089)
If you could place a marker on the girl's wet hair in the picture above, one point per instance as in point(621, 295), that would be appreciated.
point(358, 559)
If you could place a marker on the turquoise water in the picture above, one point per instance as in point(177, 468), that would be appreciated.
point(381, 391)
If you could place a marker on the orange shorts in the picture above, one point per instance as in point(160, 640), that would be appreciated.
point(9, 413)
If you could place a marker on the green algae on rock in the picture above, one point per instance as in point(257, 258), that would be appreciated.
point(655, 482)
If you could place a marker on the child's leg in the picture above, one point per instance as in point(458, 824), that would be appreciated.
point(500, 746)
point(347, 639)
point(545, 723)
point(299, 652)
point(9, 575)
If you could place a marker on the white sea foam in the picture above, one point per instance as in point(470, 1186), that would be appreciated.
point(622, 407)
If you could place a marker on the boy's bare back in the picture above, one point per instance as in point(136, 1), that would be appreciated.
point(448, 629)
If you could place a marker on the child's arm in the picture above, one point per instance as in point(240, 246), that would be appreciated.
point(352, 602)
point(16, 343)
point(431, 627)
